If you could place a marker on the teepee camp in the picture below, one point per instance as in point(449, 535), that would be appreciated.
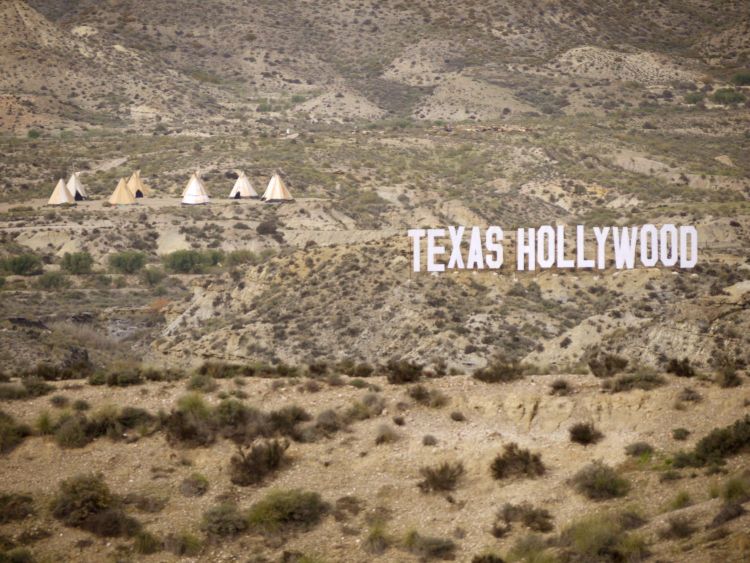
point(75, 187)
point(276, 191)
point(60, 194)
point(122, 195)
point(137, 187)
point(195, 192)
point(243, 188)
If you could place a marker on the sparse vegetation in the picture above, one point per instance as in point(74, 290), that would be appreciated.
point(441, 477)
point(598, 481)
point(499, 370)
point(585, 433)
point(517, 462)
point(284, 510)
point(428, 547)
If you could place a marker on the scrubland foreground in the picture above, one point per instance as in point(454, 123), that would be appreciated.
point(242, 381)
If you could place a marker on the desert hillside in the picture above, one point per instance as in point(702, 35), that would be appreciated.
point(272, 382)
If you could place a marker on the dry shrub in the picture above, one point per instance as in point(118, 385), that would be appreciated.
point(515, 461)
point(442, 477)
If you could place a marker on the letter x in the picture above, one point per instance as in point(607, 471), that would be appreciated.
point(456, 260)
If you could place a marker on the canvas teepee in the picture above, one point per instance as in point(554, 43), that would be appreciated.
point(242, 188)
point(137, 187)
point(75, 187)
point(276, 190)
point(60, 195)
point(122, 195)
point(195, 192)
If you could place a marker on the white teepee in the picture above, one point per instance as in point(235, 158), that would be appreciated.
point(276, 190)
point(60, 195)
point(242, 188)
point(122, 195)
point(75, 187)
point(137, 187)
point(195, 192)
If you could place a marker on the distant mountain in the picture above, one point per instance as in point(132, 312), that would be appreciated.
point(218, 65)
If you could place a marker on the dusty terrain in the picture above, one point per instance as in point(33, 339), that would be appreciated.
point(380, 116)
point(384, 477)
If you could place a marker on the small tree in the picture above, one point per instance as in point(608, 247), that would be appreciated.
point(77, 263)
point(127, 262)
point(23, 265)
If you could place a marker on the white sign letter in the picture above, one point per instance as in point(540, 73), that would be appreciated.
point(668, 255)
point(524, 250)
point(562, 262)
point(417, 235)
point(456, 260)
point(625, 247)
point(493, 234)
point(686, 262)
point(649, 246)
point(601, 238)
point(545, 246)
point(433, 250)
point(476, 258)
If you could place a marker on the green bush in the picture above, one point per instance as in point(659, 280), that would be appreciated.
point(183, 544)
point(442, 477)
point(15, 507)
point(153, 276)
point(606, 365)
point(223, 520)
point(736, 489)
point(516, 462)
point(499, 371)
point(639, 449)
point(191, 261)
point(224, 370)
point(680, 368)
point(741, 78)
point(201, 382)
point(728, 96)
point(678, 527)
point(50, 281)
point(403, 371)
point(196, 485)
point(252, 466)
point(287, 509)
point(427, 397)
point(628, 382)
point(124, 377)
point(680, 433)
point(241, 257)
point(127, 262)
point(145, 543)
point(71, 432)
point(427, 547)
point(192, 423)
point(531, 548)
point(535, 519)
point(598, 481)
point(694, 97)
point(717, 445)
point(23, 265)
point(77, 263)
point(602, 538)
point(11, 433)
point(17, 555)
point(81, 497)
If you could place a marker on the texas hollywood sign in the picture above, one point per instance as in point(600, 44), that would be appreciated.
point(477, 248)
